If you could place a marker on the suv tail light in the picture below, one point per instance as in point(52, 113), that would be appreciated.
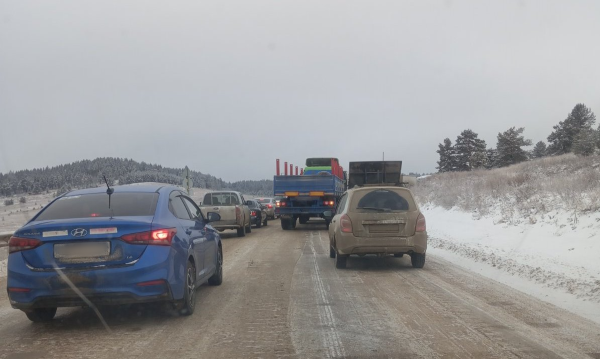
point(253, 213)
point(17, 244)
point(157, 237)
point(421, 225)
point(345, 224)
point(238, 213)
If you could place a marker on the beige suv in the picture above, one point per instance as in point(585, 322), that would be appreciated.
point(378, 220)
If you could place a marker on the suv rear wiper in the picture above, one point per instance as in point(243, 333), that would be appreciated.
point(374, 208)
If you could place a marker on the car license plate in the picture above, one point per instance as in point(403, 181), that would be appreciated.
point(81, 250)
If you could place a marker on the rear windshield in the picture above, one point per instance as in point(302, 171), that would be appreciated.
point(221, 198)
point(96, 205)
point(384, 200)
point(263, 200)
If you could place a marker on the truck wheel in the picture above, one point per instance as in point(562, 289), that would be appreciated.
point(303, 220)
point(417, 260)
point(286, 225)
point(249, 228)
point(241, 232)
point(293, 223)
point(340, 261)
point(327, 222)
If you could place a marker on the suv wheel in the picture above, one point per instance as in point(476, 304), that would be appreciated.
point(417, 260)
point(286, 224)
point(340, 261)
point(331, 252)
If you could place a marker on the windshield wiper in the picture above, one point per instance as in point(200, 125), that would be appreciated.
point(375, 209)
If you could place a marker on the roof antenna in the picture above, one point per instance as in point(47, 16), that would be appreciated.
point(109, 190)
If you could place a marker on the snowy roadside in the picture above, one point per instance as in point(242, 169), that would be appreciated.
point(555, 260)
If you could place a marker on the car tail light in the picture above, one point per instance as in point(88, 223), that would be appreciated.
point(238, 213)
point(157, 237)
point(253, 213)
point(328, 203)
point(346, 224)
point(269, 206)
point(17, 244)
point(421, 225)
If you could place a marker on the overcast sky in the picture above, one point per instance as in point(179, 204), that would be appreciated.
point(226, 87)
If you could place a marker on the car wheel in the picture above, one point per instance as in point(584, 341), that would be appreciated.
point(331, 252)
point(398, 255)
point(241, 232)
point(189, 291)
point(327, 223)
point(217, 278)
point(417, 260)
point(340, 261)
point(265, 222)
point(40, 315)
point(249, 228)
point(258, 224)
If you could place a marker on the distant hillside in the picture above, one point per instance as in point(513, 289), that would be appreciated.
point(88, 173)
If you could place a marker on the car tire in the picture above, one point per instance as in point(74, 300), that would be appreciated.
point(303, 220)
point(41, 315)
point(241, 232)
point(340, 261)
point(249, 228)
point(258, 224)
point(331, 252)
point(189, 291)
point(327, 223)
point(398, 255)
point(286, 224)
point(417, 260)
point(217, 278)
point(265, 222)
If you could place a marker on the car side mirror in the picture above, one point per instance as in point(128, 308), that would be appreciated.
point(328, 214)
point(213, 217)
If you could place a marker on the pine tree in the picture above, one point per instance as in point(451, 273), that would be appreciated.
point(467, 144)
point(562, 138)
point(479, 159)
point(585, 143)
point(509, 147)
point(492, 158)
point(539, 150)
point(446, 152)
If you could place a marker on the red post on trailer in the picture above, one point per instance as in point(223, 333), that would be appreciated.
point(302, 172)
point(277, 173)
point(296, 170)
point(285, 167)
point(291, 169)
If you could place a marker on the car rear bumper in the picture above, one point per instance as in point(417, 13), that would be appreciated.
point(118, 285)
point(347, 243)
point(73, 300)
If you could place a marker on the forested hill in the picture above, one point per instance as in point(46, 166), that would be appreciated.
point(88, 173)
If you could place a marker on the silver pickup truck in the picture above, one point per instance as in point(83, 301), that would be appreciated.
point(232, 208)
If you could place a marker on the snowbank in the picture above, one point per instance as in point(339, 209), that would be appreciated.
point(554, 260)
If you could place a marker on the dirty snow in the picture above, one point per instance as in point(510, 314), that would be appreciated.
point(555, 259)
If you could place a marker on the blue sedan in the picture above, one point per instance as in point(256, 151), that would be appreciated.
point(127, 244)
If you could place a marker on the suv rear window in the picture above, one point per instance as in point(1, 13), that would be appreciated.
point(384, 200)
point(264, 200)
point(96, 205)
